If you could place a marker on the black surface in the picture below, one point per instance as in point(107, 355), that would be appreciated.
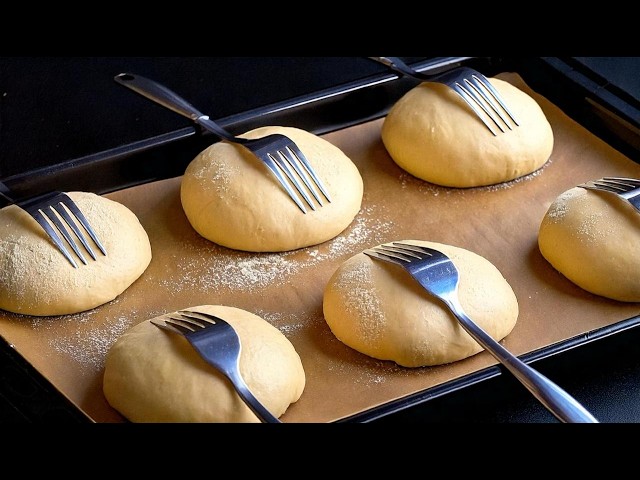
point(54, 110)
point(61, 117)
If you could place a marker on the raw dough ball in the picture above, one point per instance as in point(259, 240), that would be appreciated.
point(434, 135)
point(231, 198)
point(378, 309)
point(36, 278)
point(152, 375)
point(593, 239)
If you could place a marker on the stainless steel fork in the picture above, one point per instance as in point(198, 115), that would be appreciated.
point(439, 276)
point(474, 88)
point(218, 344)
point(628, 189)
point(278, 152)
point(54, 209)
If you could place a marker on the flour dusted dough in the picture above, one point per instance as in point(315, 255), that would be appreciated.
point(152, 375)
point(435, 136)
point(231, 198)
point(378, 309)
point(36, 279)
point(593, 239)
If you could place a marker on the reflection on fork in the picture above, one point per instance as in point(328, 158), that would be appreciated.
point(55, 213)
point(438, 275)
point(627, 189)
point(472, 86)
point(278, 152)
point(218, 344)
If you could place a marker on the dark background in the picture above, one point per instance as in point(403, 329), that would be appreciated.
point(55, 109)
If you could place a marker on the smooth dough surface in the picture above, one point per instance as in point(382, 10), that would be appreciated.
point(434, 135)
point(593, 239)
point(378, 309)
point(152, 375)
point(36, 279)
point(231, 198)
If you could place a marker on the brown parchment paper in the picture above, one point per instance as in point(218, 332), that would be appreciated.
point(499, 222)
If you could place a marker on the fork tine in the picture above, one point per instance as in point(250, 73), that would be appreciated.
point(52, 215)
point(474, 102)
point(403, 253)
point(632, 181)
point(627, 189)
point(611, 184)
point(54, 209)
point(490, 96)
point(73, 208)
point(166, 324)
point(481, 80)
point(286, 164)
point(274, 167)
point(290, 157)
point(382, 255)
point(194, 320)
point(608, 186)
point(410, 247)
point(44, 223)
point(179, 323)
point(201, 319)
point(483, 94)
point(392, 253)
point(619, 183)
point(62, 211)
point(64, 214)
point(295, 150)
point(302, 172)
point(477, 90)
point(472, 86)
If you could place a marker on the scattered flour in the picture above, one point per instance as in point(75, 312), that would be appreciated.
point(255, 271)
point(407, 180)
point(90, 347)
point(86, 338)
point(87, 344)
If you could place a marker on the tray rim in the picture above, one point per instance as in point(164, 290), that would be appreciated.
point(419, 398)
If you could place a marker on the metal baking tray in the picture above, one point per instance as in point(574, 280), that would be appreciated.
point(608, 112)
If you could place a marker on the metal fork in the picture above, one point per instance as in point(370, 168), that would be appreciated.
point(627, 189)
point(474, 88)
point(278, 152)
point(218, 344)
point(54, 209)
point(439, 276)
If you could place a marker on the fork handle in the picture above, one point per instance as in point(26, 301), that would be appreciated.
point(566, 408)
point(395, 64)
point(249, 399)
point(169, 99)
point(398, 66)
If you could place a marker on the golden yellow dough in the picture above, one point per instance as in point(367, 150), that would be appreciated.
point(434, 135)
point(593, 239)
point(378, 309)
point(152, 375)
point(231, 198)
point(35, 277)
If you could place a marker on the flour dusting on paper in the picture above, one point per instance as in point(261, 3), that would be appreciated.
point(82, 338)
point(407, 180)
point(87, 341)
point(259, 270)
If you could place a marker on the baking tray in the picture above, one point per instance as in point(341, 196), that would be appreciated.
point(477, 368)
